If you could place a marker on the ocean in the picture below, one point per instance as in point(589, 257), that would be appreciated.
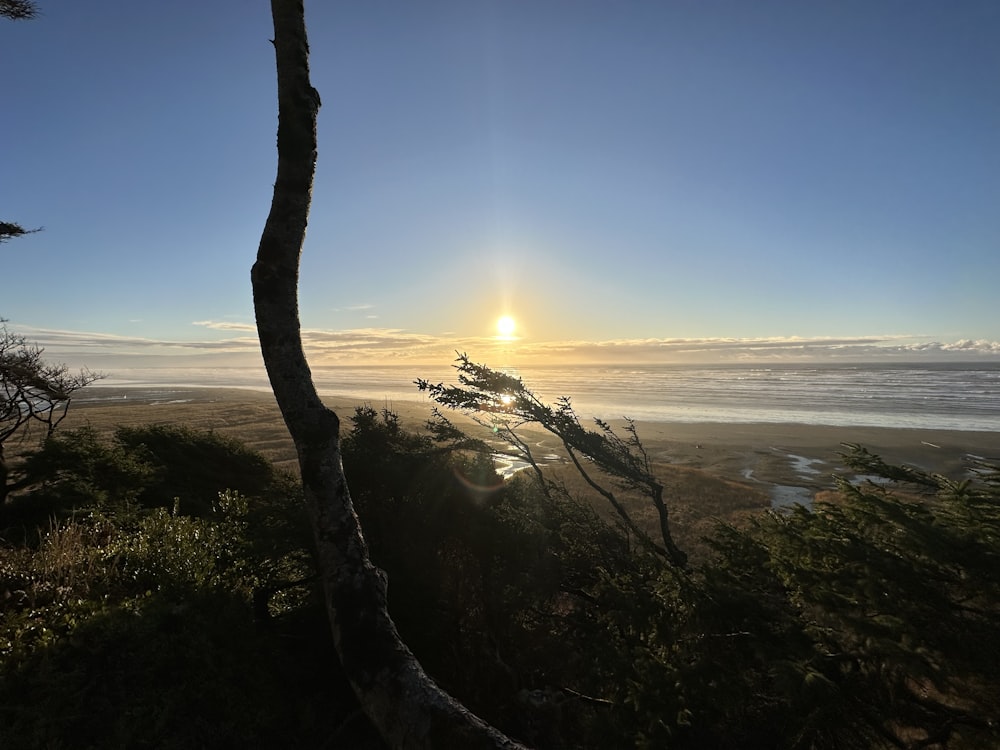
point(933, 396)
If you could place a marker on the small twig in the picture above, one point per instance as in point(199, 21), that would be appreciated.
point(587, 698)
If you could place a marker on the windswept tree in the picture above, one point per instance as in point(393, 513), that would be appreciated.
point(503, 403)
point(34, 395)
point(404, 704)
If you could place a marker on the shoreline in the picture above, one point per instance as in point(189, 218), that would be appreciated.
point(919, 396)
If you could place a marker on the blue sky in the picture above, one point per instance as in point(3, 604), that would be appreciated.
point(634, 181)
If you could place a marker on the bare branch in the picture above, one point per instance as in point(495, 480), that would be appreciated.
point(33, 393)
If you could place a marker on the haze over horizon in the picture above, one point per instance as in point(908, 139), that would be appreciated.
point(628, 182)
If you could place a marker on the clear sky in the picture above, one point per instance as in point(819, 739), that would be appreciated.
point(640, 181)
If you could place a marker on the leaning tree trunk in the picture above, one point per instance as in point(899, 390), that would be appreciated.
point(405, 705)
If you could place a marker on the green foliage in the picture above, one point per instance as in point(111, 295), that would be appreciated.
point(150, 672)
point(870, 622)
point(867, 623)
point(76, 469)
point(149, 466)
point(423, 514)
point(181, 665)
point(85, 563)
point(195, 465)
point(122, 626)
point(139, 630)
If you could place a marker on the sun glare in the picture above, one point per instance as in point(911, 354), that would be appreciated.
point(506, 326)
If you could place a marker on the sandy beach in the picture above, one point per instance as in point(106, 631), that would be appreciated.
point(785, 462)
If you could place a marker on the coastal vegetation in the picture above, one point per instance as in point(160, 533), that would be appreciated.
point(159, 589)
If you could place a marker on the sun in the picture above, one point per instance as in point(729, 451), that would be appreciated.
point(506, 326)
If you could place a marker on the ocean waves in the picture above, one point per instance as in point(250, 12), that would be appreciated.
point(951, 396)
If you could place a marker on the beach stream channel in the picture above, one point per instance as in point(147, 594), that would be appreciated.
point(784, 497)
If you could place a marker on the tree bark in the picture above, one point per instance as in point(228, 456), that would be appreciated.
point(4, 474)
point(404, 704)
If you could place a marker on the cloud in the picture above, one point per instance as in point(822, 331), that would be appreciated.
point(238, 343)
point(968, 345)
point(56, 341)
point(354, 308)
point(225, 325)
point(767, 349)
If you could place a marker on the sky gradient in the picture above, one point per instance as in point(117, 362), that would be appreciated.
point(630, 181)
